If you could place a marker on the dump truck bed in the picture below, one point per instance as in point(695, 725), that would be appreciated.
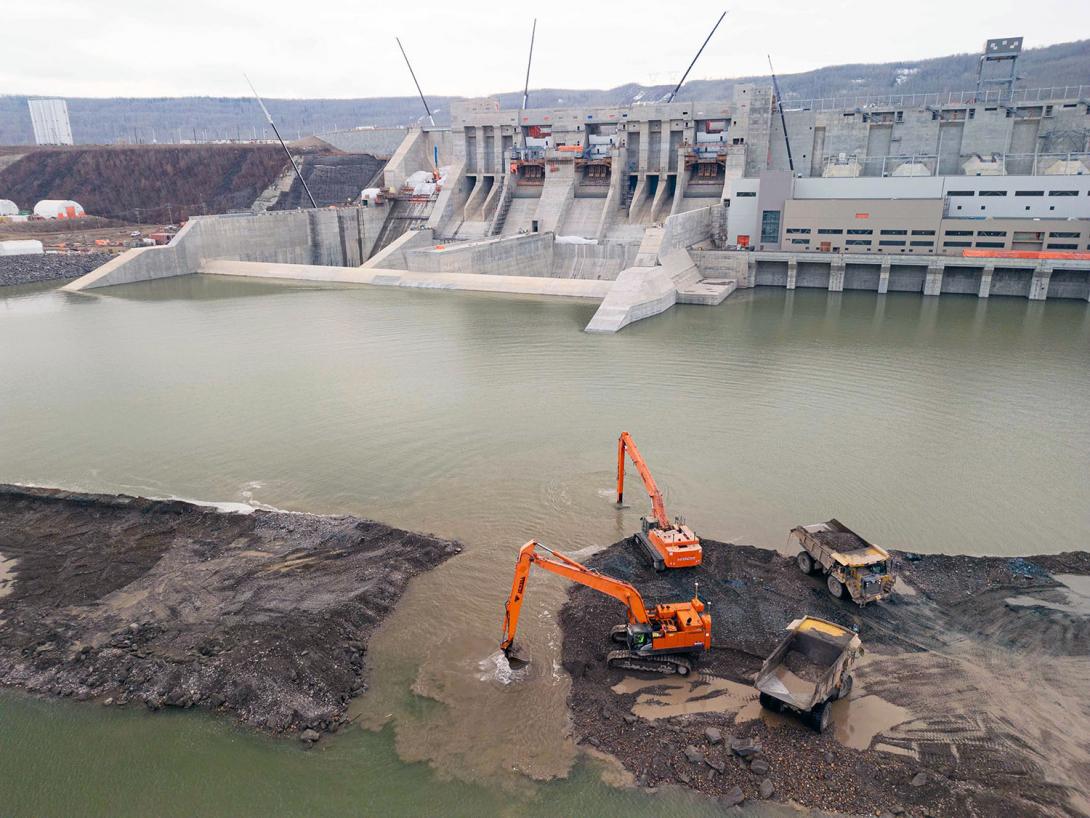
point(840, 543)
point(805, 668)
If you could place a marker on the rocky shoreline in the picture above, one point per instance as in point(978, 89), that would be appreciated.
point(970, 699)
point(33, 269)
point(263, 615)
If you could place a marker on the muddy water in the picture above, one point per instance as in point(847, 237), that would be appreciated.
point(933, 424)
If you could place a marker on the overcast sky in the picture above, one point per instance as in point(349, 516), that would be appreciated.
point(470, 48)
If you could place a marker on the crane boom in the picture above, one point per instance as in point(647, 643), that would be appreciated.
point(625, 443)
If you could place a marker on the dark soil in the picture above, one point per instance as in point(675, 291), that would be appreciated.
point(985, 737)
point(842, 541)
point(263, 615)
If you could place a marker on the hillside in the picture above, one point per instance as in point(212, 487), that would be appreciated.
point(145, 183)
point(107, 121)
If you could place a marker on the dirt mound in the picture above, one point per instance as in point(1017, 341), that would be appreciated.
point(146, 183)
point(965, 703)
point(265, 615)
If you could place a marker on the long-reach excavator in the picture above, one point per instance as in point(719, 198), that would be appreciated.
point(654, 640)
point(668, 544)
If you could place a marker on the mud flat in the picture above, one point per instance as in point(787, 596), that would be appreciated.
point(264, 615)
point(971, 699)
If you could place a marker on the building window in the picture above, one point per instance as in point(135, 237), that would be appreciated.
point(1029, 193)
point(770, 226)
point(959, 193)
point(892, 243)
point(858, 241)
point(923, 232)
point(894, 232)
point(989, 244)
point(805, 230)
point(1064, 235)
point(800, 241)
point(922, 243)
point(1063, 193)
point(1063, 247)
point(989, 233)
point(993, 193)
point(959, 232)
point(957, 244)
point(830, 231)
point(859, 231)
point(746, 194)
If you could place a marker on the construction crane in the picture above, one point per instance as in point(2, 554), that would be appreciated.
point(655, 641)
point(667, 544)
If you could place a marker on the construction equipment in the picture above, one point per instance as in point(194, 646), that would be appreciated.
point(667, 544)
point(850, 563)
point(654, 640)
point(809, 669)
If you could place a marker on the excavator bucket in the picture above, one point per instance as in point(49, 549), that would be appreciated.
point(517, 656)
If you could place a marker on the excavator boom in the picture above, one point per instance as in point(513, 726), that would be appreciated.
point(625, 443)
point(570, 569)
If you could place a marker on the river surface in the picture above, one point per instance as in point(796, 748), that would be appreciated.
point(945, 424)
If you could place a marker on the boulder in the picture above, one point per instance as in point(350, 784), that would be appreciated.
point(714, 735)
point(733, 798)
point(745, 747)
point(767, 789)
point(694, 755)
point(716, 764)
point(309, 736)
point(759, 766)
point(919, 780)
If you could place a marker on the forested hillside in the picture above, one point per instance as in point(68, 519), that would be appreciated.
point(107, 121)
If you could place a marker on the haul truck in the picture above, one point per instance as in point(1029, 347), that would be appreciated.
point(851, 564)
point(809, 669)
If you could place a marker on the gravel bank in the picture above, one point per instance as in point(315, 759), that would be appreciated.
point(970, 699)
point(47, 267)
point(164, 603)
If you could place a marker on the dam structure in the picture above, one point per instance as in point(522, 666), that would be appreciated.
point(644, 206)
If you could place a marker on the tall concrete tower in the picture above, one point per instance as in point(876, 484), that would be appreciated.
point(50, 120)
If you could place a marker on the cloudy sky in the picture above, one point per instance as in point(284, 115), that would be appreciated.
point(467, 47)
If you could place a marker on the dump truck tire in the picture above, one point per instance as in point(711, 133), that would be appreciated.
point(845, 687)
point(805, 563)
point(818, 718)
point(770, 703)
point(836, 587)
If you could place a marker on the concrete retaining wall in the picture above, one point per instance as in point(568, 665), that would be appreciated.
point(604, 260)
point(341, 237)
point(527, 255)
point(683, 230)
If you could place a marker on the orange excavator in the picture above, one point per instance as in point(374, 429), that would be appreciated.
point(668, 544)
point(655, 641)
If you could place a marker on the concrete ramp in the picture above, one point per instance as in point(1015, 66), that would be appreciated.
point(638, 292)
point(518, 285)
point(692, 287)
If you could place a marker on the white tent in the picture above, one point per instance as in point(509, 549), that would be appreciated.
point(8, 208)
point(58, 209)
point(21, 247)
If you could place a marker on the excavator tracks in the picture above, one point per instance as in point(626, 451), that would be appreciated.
point(625, 660)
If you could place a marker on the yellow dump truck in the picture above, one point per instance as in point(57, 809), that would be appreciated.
point(851, 564)
point(809, 669)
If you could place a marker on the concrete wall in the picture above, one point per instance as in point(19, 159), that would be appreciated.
point(529, 255)
point(604, 260)
point(341, 237)
point(683, 230)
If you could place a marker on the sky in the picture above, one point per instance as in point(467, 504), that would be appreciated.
point(346, 49)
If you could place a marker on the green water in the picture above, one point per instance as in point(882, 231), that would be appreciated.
point(942, 424)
